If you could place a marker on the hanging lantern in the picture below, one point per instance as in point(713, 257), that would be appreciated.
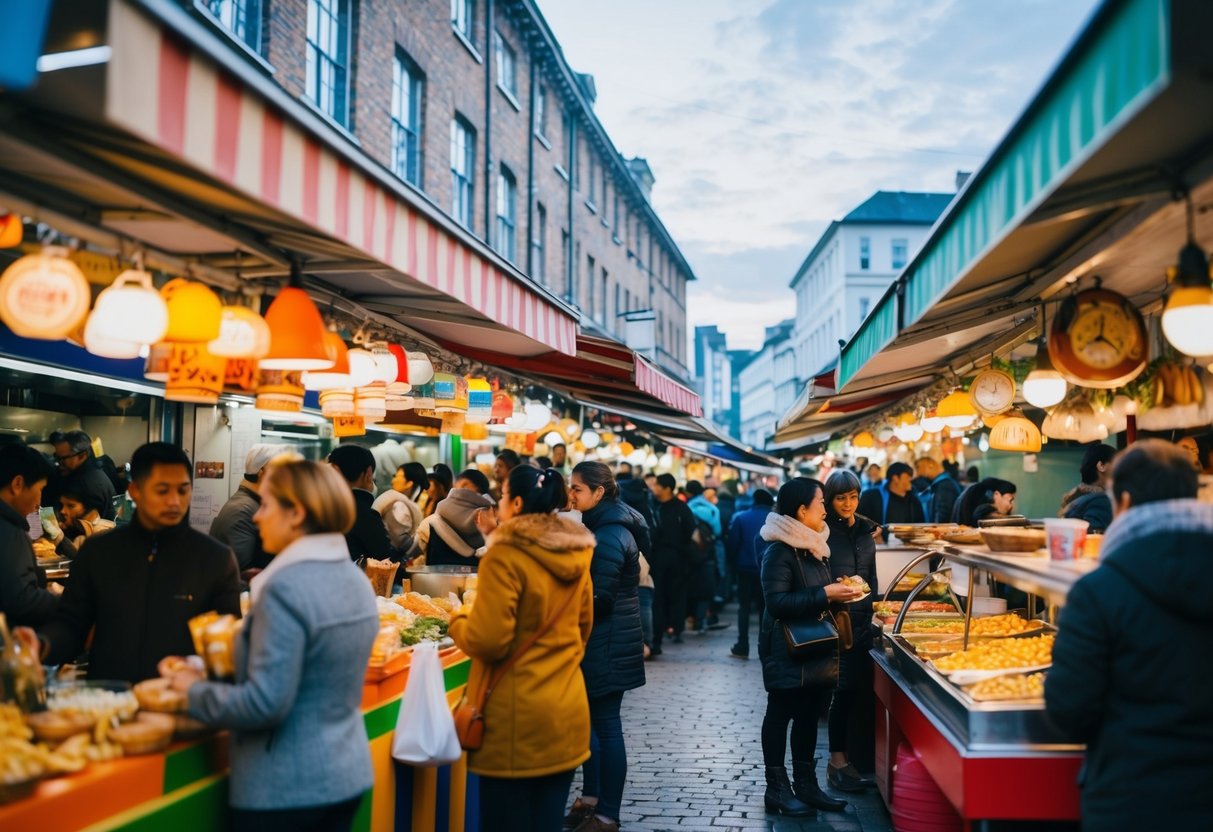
point(571, 428)
point(386, 368)
point(44, 295)
point(626, 449)
point(129, 314)
point(446, 392)
point(296, 333)
point(480, 401)
point(280, 390)
point(337, 376)
point(423, 396)
point(242, 334)
point(194, 312)
point(956, 410)
point(503, 406)
point(1044, 387)
point(370, 402)
point(12, 230)
point(553, 438)
point(421, 369)
point(158, 356)
point(362, 366)
point(400, 403)
point(538, 414)
point(932, 422)
point(590, 440)
point(241, 374)
point(1015, 433)
point(1187, 319)
point(453, 422)
point(337, 401)
point(402, 368)
point(194, 374)
point(863, 439)
point(473, 432)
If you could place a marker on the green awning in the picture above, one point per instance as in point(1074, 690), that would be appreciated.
point(1113, 77)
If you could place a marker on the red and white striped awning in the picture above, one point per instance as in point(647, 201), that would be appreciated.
point(176, 97)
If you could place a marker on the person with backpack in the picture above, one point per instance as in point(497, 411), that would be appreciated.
point(705, 569)
point(939, 494)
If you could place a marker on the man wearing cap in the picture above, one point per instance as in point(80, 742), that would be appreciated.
point(234, 524)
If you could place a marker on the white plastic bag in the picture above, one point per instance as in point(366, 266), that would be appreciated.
point(425, 729)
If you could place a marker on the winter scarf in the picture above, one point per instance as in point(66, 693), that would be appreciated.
point(455, 520)
point(796, 534)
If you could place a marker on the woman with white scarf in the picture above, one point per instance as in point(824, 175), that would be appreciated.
point(796, 584)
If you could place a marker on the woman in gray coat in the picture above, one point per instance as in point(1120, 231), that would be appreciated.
point(299, 754)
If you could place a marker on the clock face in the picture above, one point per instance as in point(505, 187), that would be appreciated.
point(1103, 335)
point(992, 391)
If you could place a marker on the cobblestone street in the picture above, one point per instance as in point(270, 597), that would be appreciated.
point(694, 755)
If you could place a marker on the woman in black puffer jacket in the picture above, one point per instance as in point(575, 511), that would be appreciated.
point(796, 584)
point(852, 552)
point(614, 656)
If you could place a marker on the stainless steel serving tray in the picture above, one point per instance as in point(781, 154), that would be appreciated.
point(979, 726)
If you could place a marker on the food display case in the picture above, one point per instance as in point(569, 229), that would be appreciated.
point(996, 762)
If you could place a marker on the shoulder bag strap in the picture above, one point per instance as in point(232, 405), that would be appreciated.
point(500, 672)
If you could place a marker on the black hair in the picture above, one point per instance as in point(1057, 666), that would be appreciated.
point(559, 445)
point(795, 493)
point(444, 474)
point(625, 470)
point(542, 492)
point(17, 460)
point(77, 441)
point(694, 488)
point(897, 469)
point(979, 494)
point(1095, 454)
point(667, 481)
point(415, 473)
point(597, 475)
point(841, 481)
point(478, 480)
point(509, 457)
point(352, 460)
point(1152, 470)
point(762, 497)
point(90, 499)
point(146, 457)
point(542, 462)
point(649, 474)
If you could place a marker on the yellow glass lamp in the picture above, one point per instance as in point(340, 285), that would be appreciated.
point(12, 230)
point(1187, 319)
point(194, 374)
point(242, 334)
point(956, 410)
point(863, 439)
point(195, 313)
point(1045, 386)
point(1015, 432)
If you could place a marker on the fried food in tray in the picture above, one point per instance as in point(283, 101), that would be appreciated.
point(425, 606)
point(1001, 654)
point(1017, 686)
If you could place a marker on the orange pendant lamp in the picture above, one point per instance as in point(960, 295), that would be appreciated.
point(337, 376)
point(297, 333)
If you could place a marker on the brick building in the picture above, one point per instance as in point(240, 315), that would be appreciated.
point(472, 103)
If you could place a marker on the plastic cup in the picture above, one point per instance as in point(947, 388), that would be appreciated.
point(1066, 537)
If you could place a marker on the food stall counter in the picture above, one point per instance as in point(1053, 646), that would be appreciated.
point(185, 787)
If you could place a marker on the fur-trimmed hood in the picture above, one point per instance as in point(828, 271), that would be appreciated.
point(560, 546)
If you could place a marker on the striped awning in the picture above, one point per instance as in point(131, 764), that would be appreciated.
point(174, 95)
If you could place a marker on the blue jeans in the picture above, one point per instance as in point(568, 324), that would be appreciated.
point(604, 773)
point(646, 613)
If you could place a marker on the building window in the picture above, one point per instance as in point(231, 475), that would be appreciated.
point(592, 174)
point(507, 76)
point(538, 235)
point(240, 17)
point(463, 165)
point(463, 16)
point(564, 264)
point(627, 301)
point(589, 284)
point(900, 248)
point(864, 305)
point(865, 253)
point(407, 92)
point(507, 196)
point(541, 110)
point(615, 224)
point(618, 309)
point(328, 50)
point(602, 310)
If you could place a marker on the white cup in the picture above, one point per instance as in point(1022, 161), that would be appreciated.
point(988, 606)
point(1065, 537)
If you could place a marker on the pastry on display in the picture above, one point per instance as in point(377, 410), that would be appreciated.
point(147, 733)
point(56, 726)
point(158, 695)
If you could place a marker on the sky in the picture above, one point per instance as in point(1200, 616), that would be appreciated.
point(765, 119)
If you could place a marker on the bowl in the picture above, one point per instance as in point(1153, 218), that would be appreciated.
point(1012, 539)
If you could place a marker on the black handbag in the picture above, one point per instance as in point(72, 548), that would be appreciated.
point(810, 638)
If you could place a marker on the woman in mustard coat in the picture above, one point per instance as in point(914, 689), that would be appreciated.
point(537, 719)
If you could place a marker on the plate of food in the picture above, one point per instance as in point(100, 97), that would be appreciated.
point(964, 536)
point(856, 582)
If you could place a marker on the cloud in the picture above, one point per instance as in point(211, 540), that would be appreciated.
point(765, 119)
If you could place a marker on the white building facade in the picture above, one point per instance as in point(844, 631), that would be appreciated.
point(768, 385)
point(849, 269)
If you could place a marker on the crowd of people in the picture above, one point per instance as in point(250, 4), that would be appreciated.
point(584, 574)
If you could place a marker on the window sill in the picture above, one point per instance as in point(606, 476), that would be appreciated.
point(605, 224)
point(590, 204)
point(332, 122)
point(204, 13)
point(509, 96)
point(542, 139)
point(462, 38)
point(564, 174)
point(615, 239)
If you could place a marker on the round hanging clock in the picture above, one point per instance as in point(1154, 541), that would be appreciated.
point(992, 391)
point(1098, 339)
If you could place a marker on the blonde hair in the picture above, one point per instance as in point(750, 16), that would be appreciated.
point(317, 488)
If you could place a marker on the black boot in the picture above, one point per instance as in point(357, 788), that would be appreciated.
point(804, 779)
point(779, 797)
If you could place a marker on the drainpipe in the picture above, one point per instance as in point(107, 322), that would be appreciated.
point(489, 58)
point(530, 181)
point(570, 265)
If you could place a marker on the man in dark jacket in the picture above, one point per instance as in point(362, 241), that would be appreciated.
point(671, 562)
point(745, 553)
point(893, 501)
point(1089, 501)
point(24, 599)
point(1131, 671)
point(81, 471)
point(454, 535)
point(368, 538)
point(234, 524)
point(137, 587)
point(634, 492)
point(939, 493)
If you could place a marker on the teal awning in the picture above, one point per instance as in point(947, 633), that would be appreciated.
point(1124, 121)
